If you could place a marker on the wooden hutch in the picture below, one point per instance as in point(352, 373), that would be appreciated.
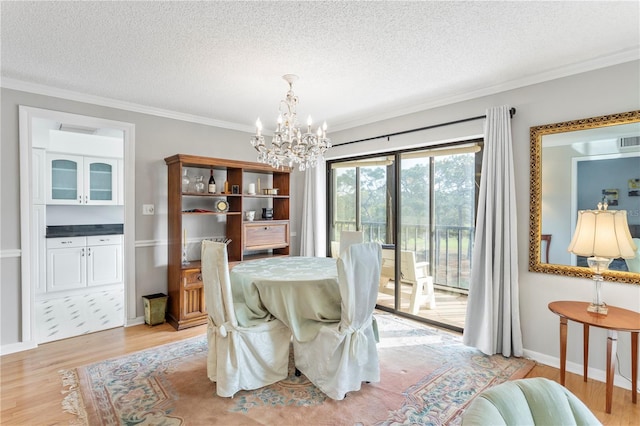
point(225, 207)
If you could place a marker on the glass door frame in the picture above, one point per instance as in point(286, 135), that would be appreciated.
point(396, 220)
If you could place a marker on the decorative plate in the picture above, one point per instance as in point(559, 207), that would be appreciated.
point(222, 206)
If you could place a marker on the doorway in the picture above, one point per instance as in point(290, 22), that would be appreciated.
point(420, 205)
point(40, 129)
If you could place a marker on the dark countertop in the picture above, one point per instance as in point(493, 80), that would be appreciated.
point(64, 231)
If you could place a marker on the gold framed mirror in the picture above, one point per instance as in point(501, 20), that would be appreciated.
point(575, 165)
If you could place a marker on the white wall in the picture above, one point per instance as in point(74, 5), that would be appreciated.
point(600, 92)
point(610, 90)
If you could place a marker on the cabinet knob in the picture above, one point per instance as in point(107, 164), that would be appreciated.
point(266, 228)
point(80, 199)
point(82, 255)
point(199, 277)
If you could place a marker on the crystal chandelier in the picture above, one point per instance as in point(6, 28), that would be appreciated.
point(289, 144)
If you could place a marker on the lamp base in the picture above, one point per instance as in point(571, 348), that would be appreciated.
point(598, 309)
point(598, 265)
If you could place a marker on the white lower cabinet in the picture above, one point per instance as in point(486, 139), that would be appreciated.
point(104, 260)
point(84, 291)
point(66, 263)
point(78, 262)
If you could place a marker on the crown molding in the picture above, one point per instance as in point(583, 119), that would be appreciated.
point(39, 89)
point(620, 57)
point(628, 55)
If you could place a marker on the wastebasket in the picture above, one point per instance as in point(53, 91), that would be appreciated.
point(155, 307)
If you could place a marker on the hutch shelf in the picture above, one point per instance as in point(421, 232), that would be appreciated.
point(226, 207)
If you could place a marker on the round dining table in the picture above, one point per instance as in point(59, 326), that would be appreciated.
point(302, 292)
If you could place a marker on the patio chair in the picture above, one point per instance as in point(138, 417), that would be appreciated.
point(411, 272)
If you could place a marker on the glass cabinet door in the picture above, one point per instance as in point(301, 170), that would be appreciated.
point(65, 179)
point(76, 180)
point(101, 180)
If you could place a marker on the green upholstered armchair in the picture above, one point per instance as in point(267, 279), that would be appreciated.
point(535, 401)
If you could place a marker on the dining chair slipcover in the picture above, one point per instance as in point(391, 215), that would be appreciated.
point(349, 237)
point(238, 358)
point(343, 355)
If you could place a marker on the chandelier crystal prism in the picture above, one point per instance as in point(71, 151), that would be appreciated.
point(289, 145)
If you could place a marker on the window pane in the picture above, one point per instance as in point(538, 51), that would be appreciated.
point(344, 209)
point(414, 238)
point(454, 201)
point(434, 193)
point(414, 206)
point(373, 203)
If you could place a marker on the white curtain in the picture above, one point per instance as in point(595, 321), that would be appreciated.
point(312, 235)
point(493, 313)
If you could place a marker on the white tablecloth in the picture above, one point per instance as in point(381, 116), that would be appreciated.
point(302, 292)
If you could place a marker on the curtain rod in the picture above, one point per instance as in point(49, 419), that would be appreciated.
point(512, 112)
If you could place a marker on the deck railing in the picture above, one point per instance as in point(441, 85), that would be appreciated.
point(452, 252)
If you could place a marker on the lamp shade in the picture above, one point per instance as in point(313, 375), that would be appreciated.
point(602, 233)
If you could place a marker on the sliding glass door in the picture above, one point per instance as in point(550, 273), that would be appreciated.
point(360, 199)
point(421, 206)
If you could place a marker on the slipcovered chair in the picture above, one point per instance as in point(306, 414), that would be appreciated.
point(349, 237)
point(344, 354)
point(238, 358)
point(535, 401)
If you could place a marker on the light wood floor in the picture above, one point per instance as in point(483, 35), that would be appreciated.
point(31, 387)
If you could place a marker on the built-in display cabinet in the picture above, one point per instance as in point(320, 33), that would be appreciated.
point(195, 214)
point(81, 180)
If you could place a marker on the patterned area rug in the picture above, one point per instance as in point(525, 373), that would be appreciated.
point(427, 377)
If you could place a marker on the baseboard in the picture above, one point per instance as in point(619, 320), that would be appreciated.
point(134, 321)
point(572, 367)
point(17, 347)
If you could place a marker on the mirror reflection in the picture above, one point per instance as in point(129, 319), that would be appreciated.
point(574, 166)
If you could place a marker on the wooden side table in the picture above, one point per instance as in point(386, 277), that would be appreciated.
point(618, 319)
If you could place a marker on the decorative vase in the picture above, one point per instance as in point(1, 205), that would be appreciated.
point(200, 184)
point(185, 181)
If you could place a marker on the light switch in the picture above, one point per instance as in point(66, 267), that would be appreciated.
point(148, 209)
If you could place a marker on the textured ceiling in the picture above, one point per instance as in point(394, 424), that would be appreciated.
point(357, 61)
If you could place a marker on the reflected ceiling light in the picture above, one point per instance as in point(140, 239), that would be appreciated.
point(289, 145)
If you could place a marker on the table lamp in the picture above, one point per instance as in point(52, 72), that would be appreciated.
point(603, 235)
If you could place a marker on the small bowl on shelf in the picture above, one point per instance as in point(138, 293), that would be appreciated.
point(270, 191)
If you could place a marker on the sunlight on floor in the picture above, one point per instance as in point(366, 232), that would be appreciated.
point(450, 309)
